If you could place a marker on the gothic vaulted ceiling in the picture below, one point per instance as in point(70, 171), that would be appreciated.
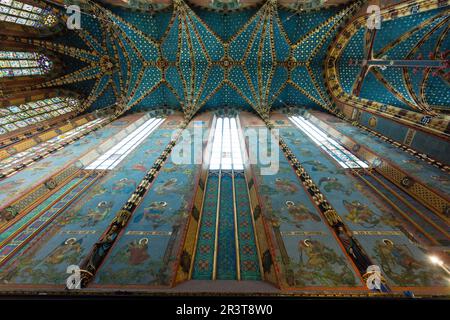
point(420, 42)
point(259, 58)
point(222, 5)
point(195, 58)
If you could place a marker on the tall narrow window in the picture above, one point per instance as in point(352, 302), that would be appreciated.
point(115, 155)
point(7, 165)
point(226, 149)
point(25, 14)
point(20, 116)
point(345, 158)
point(226, 224)
point(16, 64)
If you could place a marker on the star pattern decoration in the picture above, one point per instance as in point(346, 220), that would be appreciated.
point(194, 53)
point(418, 42)
point(259, 62)
point(264, 49)
point(96, 60)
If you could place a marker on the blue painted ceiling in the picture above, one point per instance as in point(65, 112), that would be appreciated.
point(422, 36)
point(256, 58)
point(198, 59)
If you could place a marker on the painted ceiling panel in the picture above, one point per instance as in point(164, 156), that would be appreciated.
point(207, 38)
point(437, 92)
point(226, 97)
point(93, 43)
point(292, 96)
point(136, 68)
point(150, 78)
point(184, 50)
point(200, 75)
point(402, 49)
point(123, 63)
point(225, 25)
point(193, 60)
point(101, 85)
point(135, 64)
point(83, 87)
point(116, 82)
point(138, 41)
point(375, 90)
point(429, 45)
point(446, 40)
point(238, 77)
point(152, 25)
point(297, 25)
point(161, 97)
point(414, 55)
point(354, 50)
point(93, 25)
point(316, 72)
point(303, 51)
point(416, 77)
point(394, 29)
point(301, 75)
point(105, 99)
point(90, 72)
point(304, 48)
point(74, 40)
point(174, 78)
point(280, 77)
point(394, 76)
point(240, 42)
point(215, 76)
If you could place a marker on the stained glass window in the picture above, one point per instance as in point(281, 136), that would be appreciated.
point(15, 64)
point(25, 14)
point(20, 116)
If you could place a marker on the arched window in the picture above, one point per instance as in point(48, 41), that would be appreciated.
point(15, 64)
point(25, 14)
point(20, 116)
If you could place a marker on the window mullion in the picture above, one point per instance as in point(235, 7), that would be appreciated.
point(344, 157)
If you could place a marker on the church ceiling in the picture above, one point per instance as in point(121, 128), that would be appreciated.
point(193, 58)
point(261, 58)
point(421, 38)
point(222, 5)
